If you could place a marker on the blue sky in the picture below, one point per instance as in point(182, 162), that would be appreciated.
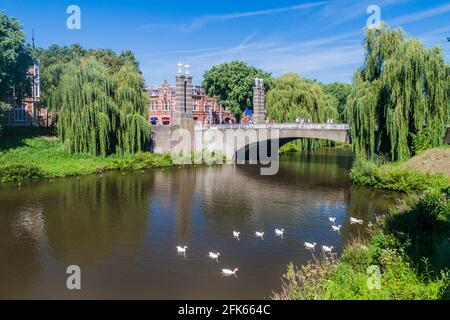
point(317, 39)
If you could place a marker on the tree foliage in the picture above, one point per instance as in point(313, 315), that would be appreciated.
point(131, 100)
point(101, 114)
point(232, 84)
point(340, 91)
point(15, 59)
point(55, 59)
point(401, 89)
point(292, 97)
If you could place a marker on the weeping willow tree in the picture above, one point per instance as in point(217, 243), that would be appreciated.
point(131, 100)
point(86, 121)
point(102, 114)
point(400, 94)
point(293, 97)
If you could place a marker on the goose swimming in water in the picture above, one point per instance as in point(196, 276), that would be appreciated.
point(279, 232)
point(259, 234)
point(236, 234)
point(354, 220)
point(213, 255)
point(181, 249)
point(336, 228)
point(332, 219)
point(327, 249)
point(309, 245)
point(228, 272)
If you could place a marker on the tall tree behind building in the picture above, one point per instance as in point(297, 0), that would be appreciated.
point(232, 84)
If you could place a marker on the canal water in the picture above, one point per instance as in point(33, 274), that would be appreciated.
point(122, 230)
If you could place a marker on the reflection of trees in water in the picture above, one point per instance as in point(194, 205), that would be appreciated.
point(21, 231)
point(86, 220)
point(365, 203)
point(90, 219)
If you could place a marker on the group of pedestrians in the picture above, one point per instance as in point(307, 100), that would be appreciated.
point(299, 121)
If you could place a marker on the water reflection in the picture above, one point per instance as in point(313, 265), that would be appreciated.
point(122, 230)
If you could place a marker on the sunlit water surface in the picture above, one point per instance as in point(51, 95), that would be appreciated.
point(122, 230)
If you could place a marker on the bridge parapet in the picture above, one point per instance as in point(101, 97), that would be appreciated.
point(293, 126)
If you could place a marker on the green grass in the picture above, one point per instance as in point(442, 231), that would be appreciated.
point(27, 158)
point(395, 176)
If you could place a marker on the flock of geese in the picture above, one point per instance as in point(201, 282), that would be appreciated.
point(280, 233)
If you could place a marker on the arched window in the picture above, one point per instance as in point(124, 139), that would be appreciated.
point(154, 105)
point(165, 105)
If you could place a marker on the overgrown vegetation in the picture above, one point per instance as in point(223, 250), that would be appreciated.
point(28, 158)
point(396, 176)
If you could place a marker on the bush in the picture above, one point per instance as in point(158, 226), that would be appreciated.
point(20, 172)
point(421, 141)
point(396, 177)
point(425, 226)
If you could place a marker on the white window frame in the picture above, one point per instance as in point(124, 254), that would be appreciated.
point(19, 111)
point(154, 105)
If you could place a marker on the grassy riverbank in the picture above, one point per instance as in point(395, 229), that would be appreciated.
point(410, 247)
point(426, 171)
point(23, 158)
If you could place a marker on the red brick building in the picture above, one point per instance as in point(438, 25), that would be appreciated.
point(205, 110)
point(28, 112)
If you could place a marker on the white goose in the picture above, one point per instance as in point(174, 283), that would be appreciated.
point(279, 232)
point(336, 228)
point(332, 219)
point(181, 249)
point(354, 220)
point(309, 245)
point(236, 234)
point(327, 249)
point(259, 234)
point(228, 272)
point(213, 255)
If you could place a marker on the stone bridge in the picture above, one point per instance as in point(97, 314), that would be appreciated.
point(234, 141)
point(238, 142)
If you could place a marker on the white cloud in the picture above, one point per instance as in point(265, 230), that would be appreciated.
point(327, 57)
point(200, 22)
point(418, 16)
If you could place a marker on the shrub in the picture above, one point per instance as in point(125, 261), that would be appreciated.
point(421, 141)
point(396, 177)
point(20, 172)
point(426, 226)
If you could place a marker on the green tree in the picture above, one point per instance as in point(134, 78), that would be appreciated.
point(340, 91)
point(87, 116)
point(133, 129)
point(53, 62)
point(15, 60)
point(232, 84)
point(55, 59)
point(102, 114)
point(401, 89)
point(292, 97)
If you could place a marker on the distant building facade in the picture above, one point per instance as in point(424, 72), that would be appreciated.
point(28, 112)
point(205, 110)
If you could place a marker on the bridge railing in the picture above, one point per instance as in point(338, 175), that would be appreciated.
point(309, 126)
